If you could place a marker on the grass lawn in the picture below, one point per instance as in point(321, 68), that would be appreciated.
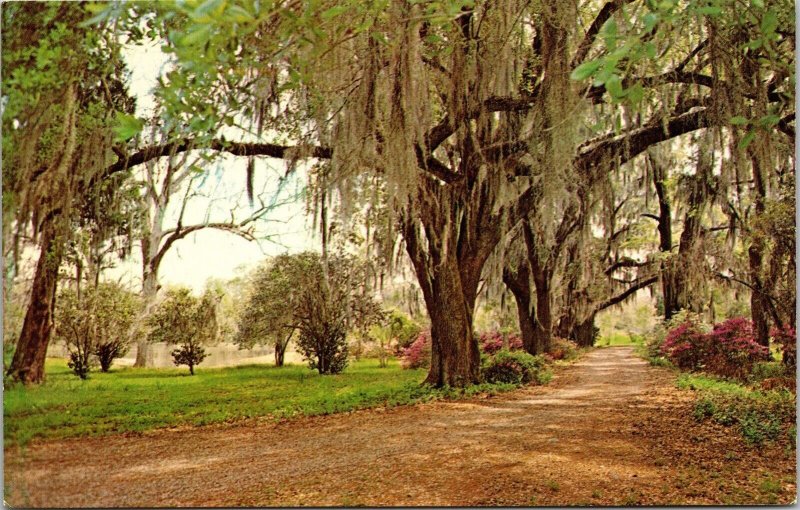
point(135, 399)
point(619, 338)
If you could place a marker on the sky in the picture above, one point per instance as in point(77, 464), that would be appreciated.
point(213, 253)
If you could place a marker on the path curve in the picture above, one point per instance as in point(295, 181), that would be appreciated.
point(571, 441)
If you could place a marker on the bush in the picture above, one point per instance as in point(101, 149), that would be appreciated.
point(786, 339)
point(763, 370)
point(324, 345)
point(729, 350)
point(563, 349)
point(418, 354)
point(685, 346)
point(733, 349)
point(492, 341)
point(402, 329)
point(516, 367)
point(188, 322)
point(95, 324)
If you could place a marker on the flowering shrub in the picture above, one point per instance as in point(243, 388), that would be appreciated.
point(561, 348)
point(492, 341)
point(685, 346)
point(786, 338)
point(418, 354)
point(729, 350)
point(734, 349)
point(516, 367)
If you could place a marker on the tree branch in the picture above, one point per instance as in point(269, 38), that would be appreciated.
point(638, 285)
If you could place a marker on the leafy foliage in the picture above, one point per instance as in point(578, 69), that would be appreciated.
point(95, 325)
point(187, 322)
point(492, 341)
point(759, 415)
point(786, 338)
point(729, 350)
point(516, 367)
point(563, 349)
point(418, 354)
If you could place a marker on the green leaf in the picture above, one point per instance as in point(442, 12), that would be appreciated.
point(758, 4)
point(768, 120)
point(769, 23)
point(198, 34)
point(127, 126)
point(333, 12)
point(585, 70)
point(650, 21)
point(746, 139)
point(710, 10)
point(239, 14)
point(738, 120)
point(614, 87)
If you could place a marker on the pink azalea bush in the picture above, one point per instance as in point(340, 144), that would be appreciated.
point(492, 341)
point(685, 346)
point(729, 350)
point(418, 354)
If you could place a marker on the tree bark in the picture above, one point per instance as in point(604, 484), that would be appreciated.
point(583, 332)
point(665, 237)
point(518, 283)
point(27, 365)
point(455, 358)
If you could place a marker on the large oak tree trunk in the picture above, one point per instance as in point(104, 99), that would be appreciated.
point(28, 363)
point(518, 283)
point(455, 358)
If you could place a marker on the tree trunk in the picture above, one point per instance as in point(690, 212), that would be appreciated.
point(668, 283)
point(455, 358)
point(150, 262)
point(28, 363)
point(583, 332)
point(518, 283)
point(543, 332)
point(280, 352)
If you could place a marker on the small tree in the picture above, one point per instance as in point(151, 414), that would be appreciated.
point(300, 294)
point(73, 326)
point(269, 311)
point(188, 322)
point(95, 323)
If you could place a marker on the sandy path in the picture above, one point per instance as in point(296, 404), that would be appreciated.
point(575, 441)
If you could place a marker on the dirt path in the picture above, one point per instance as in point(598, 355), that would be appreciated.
point(592, 437)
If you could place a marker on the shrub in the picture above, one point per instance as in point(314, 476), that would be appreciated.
point(94, 325)
point(733, 349)
point(563, 349)
point(402, 329)
point(418, 354)
point(187, 322)
point(763, 370)
point(515, 367)
point(492, 341)
point(685, 346)
point(324, 345)
point(786, 338)
point(729, 350)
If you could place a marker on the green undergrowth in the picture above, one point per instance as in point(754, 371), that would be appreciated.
point(759, 415)
point(135, 399)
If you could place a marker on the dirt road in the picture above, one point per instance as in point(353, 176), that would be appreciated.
point(601, 433)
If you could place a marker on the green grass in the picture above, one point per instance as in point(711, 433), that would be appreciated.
point(619, 338)
point(135, 399)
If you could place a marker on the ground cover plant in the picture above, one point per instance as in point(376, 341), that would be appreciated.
point(135, 400)
point(759, 415)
